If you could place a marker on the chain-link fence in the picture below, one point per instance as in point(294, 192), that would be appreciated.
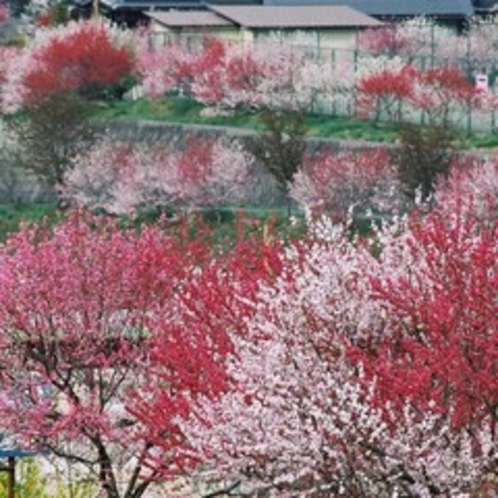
point(330, 76)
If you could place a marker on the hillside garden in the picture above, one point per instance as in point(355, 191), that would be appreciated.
point(162, 336)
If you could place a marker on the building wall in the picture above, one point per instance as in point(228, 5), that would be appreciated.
point(344, 38)
point(162, 34)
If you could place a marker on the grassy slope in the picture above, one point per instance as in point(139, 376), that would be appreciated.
point(181, 110)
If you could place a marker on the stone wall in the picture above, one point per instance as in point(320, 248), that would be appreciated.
point(16, 184)
point(266, 193)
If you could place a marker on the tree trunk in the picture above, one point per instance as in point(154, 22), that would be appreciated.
point(107, 478)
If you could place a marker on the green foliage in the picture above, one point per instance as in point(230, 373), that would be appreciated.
point(350, 129)
point(424, 155)
point(184, 110)
point(50, 134)
point(482, 141)
point(58, 14)
point(227, 224)
point(116, 91)
point(18, 41)
point(173, 109)
point(281, 145)
point(222, 225)
point(31, 482)
point(13, 215)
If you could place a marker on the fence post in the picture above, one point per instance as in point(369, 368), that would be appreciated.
point(333, 61)
point(355, 90)
point(10, 469)
point(11, 483)
point(469, 118)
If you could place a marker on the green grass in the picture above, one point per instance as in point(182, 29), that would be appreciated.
point(481, 141)
point(173, 110)
point(221, 225)
point(350, 129)
point(182, 110)
point(12, 216)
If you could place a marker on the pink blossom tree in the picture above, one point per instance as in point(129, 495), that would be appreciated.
point(443, 93)
point(164, 67)
point(221, 73)
point(120, 177)
point(414, 40)
point(341, 181)
point(208, 316)
point(472, 180)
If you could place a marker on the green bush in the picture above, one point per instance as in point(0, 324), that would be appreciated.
point(13, 215)
point(31, 482)
point(424, 156)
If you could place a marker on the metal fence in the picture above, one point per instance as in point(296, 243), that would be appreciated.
point(348, 66)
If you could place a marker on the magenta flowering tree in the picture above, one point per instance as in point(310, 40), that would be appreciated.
point(82, 307)
point(223, 74)
point(4, 13)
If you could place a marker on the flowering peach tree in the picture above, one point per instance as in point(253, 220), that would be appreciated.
point(82, 308)
point(120, 177)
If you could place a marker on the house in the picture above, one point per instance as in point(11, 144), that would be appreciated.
point(131, 12)
point(174, 25)
point(320, 26)
point(447, 12)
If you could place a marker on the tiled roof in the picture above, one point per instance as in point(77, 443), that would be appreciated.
point(392, 7)
point(186, 18)
point(294, 17)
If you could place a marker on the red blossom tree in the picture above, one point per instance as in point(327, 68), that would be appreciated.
point(439, 91)
point(4, 13)
point(79, 57)
point(441, 346)
point(382, 94)
point(209, 319)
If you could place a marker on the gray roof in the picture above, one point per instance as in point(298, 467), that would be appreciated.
point(187, 18)
point(147, 4)
point(451, 8)
point(294, 17)
point(166, 4)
